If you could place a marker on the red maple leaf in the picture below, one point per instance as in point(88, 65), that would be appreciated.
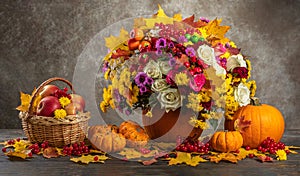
point(195, 24)
point(241, 124)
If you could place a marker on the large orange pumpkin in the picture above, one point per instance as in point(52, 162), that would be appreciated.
point(266, 121)
point(226, 141)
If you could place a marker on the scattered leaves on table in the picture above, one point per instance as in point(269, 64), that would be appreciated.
point(149, 162)
point(131, 153)
point(265, 158)
point(86, 159)
point(14, 154)
point(50, 152)
point(186, 158)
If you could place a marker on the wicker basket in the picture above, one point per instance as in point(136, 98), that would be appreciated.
point(58, 132)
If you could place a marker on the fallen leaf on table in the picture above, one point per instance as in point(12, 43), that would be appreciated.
point(225, 157)
point(50, 152)
point(131, 153)
point(187, 158)
point(265, 158)
point(86, 159)
point(149, 162)
point(22, 155)
point(292, 147)
point(96, 151)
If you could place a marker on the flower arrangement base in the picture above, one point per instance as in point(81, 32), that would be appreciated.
point(167, 127)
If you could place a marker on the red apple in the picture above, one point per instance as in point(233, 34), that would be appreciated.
point(75, 98)
point(47, 106)
point(48, 90)
point(73, 108)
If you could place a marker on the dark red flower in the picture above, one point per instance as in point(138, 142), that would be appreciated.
point(240, 72)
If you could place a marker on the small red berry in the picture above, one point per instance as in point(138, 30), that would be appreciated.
point(18, 139)
point(251, 155)
point(287, 152)
point(247, 148)
point(96, 158)
point(3, 149)
point(30, 154)
point(187, 64)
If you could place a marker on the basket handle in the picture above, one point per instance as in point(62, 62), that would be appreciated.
point(38, 90)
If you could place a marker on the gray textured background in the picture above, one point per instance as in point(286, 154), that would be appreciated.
point(42, 39)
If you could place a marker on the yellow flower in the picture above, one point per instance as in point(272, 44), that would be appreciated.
point(232, 44)
point(181, 79)
point(198, 123)
point(281, 155)
point(226, 55)
point(20, 146)
point(64, 101)
point(60, 113)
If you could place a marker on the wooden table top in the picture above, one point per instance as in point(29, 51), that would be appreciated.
point(63, 166)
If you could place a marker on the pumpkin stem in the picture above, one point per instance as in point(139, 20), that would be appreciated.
point(255, 101)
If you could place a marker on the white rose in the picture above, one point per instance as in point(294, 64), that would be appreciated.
point(219, 70)
point(242, 95)
point(207, 54)
point(164, 67)
point(159, 85)
point(169, 99)
point(152, 70)
point(235, 61)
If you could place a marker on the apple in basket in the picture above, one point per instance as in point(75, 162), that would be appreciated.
point(77, 99)
point(49, 90)
point(47, 106)
point(73, 108)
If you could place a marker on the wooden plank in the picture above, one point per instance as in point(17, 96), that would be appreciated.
point(62, 165)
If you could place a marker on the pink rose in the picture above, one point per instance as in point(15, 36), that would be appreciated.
point(197, 83)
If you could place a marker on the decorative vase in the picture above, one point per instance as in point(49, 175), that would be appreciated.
point(168, 126)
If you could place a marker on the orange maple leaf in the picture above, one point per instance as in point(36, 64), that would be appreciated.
point(216, 33)
point(241, 124)
point(196, 24)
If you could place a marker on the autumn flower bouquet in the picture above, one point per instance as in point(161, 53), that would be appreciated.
point(176, 63)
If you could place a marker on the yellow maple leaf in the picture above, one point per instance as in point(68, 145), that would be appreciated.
point(225, 157)
point(183, 157)
point(86, 159)
point(112, 42)
point(160, 17)
point(215, 33)
point(131, 153)
point(13, 154)
point(25, 100)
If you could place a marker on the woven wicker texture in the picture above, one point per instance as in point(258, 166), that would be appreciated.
point(58, 132)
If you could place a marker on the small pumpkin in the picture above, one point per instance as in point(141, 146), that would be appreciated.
point(226, 141)
point(106, 138)
point(134, 133)
point(266, 121)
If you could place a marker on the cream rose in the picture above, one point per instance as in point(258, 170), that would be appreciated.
point(152, 70)
point(169, 99)
point(159, 85)
point(164, 67)
point(219, 70)
point(235, 61)
point(242, 95)
point(207, 54)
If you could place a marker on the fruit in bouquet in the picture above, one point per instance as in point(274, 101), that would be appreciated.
point(73, 108)
point(226, 141)
point(78, 99)
point(49, 90)
point(106, 138)
point(134, 133)
point(47, 106)
point(266, 121)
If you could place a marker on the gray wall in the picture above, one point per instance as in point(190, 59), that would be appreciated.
point(42, 39)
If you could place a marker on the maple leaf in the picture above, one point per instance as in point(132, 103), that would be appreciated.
point(139, 22)
point(112, 42)
point(183, 157)
point(25, 100)
point(14, 154)
point(50, 152)
point(225, 157)
point(159, 17)
point(190, 21)
point(215, 33)
point(86, 159)
point(241, 124)
point(131, 153)
point(149, 162)
point(265, 158)
point(292, 147)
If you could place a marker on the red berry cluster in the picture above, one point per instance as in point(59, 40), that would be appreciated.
point(171, 30)
point(36, 148)
point(193, 146)
point(269, 145)
point(76, 149)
